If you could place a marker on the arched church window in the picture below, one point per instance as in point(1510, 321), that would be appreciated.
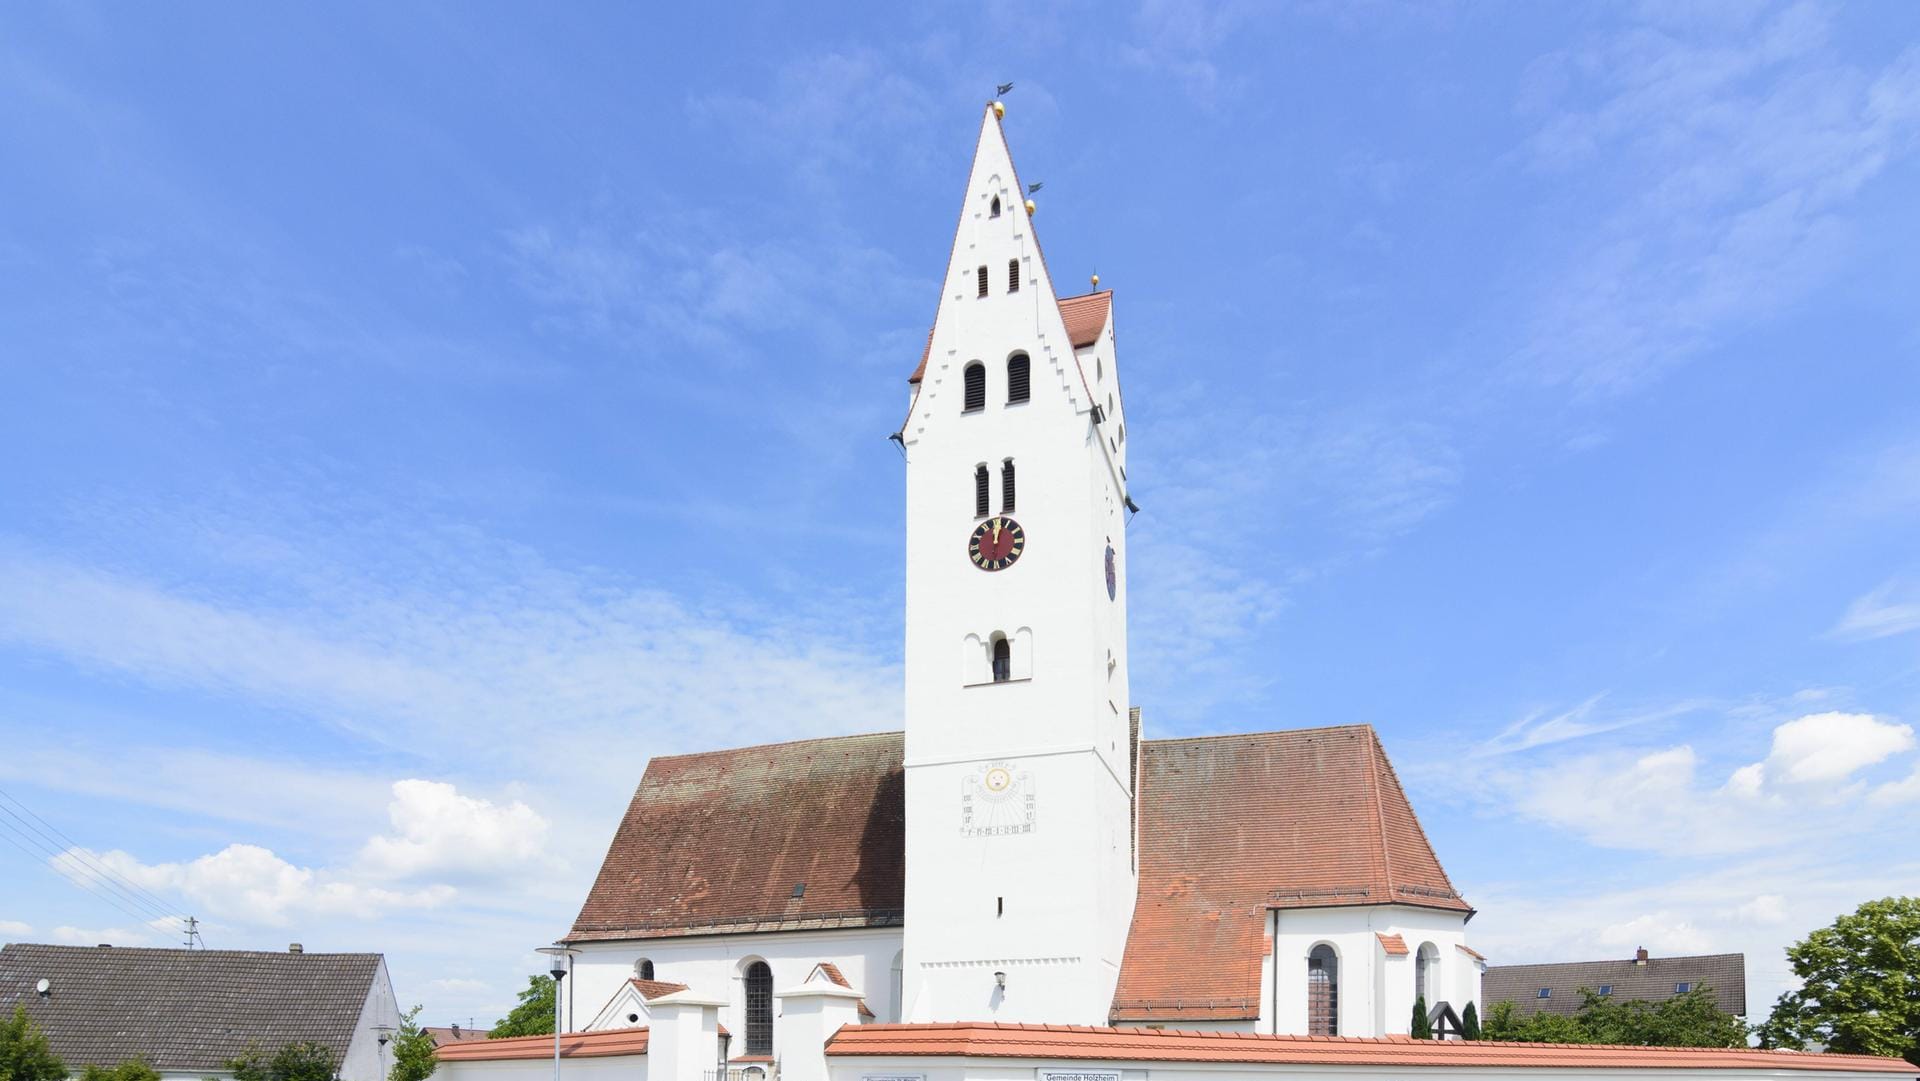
point(980, 490)
point(643, 968)
point(993, 211)
point(975, 395)
point(1425, 966)
point(1002, 659)
point(1006, 486)
point(982, 275)
point(1019, 378)
point(1323, 991)
point(1013, 275)
point(759, 981)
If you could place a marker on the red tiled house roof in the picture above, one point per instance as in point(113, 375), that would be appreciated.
point(1230, 827)
point(619, 1041)
point(1234, 825)
point(652, 989)
point(1076, 1042)
point(721, 841)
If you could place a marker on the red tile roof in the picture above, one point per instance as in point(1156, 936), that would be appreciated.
point(618, 1041)
point(652, 989)
point(722, 841)
point(1470, 952)
point(1234, 825)
point(1393, 944)
point(1085, 316)
point(833, 973)
point(442, 1035)
point(987, 1040)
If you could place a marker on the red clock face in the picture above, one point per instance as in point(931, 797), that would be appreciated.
point(996, 543)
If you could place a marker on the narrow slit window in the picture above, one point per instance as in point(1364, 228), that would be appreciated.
point(1006, 486)
point(1019, 378)
point(980, 491)
point(982, 275)
point(1013, 275)
point(975, 395)
point(993, 211)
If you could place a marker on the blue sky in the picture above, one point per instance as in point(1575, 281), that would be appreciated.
point(418, 416)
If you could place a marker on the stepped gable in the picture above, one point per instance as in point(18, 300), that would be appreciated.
point(786, 836)
point(1234, 825)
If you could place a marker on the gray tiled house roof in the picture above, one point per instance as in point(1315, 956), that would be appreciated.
point(1653, 981)
point(184, 1009)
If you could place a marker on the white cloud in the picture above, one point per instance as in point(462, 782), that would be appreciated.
point(1823, 749)
point(1893, 608)
point(115, 936)
point(1539, 728)
point(1767, 908)
point(438, 831)
point(1658, 931)
point(250, 884)
point(15, 927)
point(1895, 792)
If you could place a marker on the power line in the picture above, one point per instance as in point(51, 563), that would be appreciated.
point(79, 869)
point(74, 845)
point(38, 858)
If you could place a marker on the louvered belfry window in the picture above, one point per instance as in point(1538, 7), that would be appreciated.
point(980, 491)
point(1018, 388)
point(1013, 275)
point(759, 1009)
point(976, 388)
point(1006, 486)
point(982, 273)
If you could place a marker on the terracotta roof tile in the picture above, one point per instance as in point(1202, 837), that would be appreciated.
point(617, 1041)
point(1470, 952)
point(1393, 944)
point(833, 973)
point(652, 989)
point(1158, 1045)
point(722, 841)
point(1234, 825)
point(1086, 316)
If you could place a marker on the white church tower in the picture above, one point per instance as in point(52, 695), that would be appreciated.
point(1020, 855)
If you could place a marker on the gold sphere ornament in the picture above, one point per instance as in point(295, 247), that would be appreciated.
point(999, 111)
point(1096, 281)
point(1030, 208)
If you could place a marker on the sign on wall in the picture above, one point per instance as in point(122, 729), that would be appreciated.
point(893, 1077)
point(1044, 1074)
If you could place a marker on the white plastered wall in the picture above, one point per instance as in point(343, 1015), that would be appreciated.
point(363, 1060)
point(1376, 988)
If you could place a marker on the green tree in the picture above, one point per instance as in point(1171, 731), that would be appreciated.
point(1859, 985)
point(134, 1069)
point(1470, 1023)
point(532, 1017)
point(413, 1054)
point(24, 1052)
point(1693, 1019)
point(1420, 1028)
point(303, 1061)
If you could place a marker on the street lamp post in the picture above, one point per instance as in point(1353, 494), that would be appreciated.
point(559, 955)
point(386, 1036)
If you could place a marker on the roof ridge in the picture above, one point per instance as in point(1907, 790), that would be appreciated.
point(1362, 726)
point(1373, 753)
point(1380, 756)
point(769, 746)
point(1620, 960)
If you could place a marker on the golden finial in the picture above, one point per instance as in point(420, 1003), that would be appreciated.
point(999, 111)
point(1030, 208)
point(1096, 281)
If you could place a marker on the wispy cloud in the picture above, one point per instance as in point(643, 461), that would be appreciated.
point(1541, 728)
point(1891, 608)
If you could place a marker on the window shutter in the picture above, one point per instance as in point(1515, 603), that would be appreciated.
point(1018, 389)
point(1013, 275)
point(1006, 486)
point(980, 491)
point(976, 392)
point(982, 272)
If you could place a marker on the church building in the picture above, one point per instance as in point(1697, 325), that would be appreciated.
point(1018, 857)
point(1019, 852)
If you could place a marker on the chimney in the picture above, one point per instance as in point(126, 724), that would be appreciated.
point(456, 1030)
point(1640, 956)
point(295, 947)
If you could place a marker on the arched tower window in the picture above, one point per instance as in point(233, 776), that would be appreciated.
point(980, 491)
point(759, 981)
point(1002, 659)
point(643, 968)
point(1013, 275)
point(1019, 387)
point(975, 395)
point(1006, 486)
point(993, 211)
point(1323, 991)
